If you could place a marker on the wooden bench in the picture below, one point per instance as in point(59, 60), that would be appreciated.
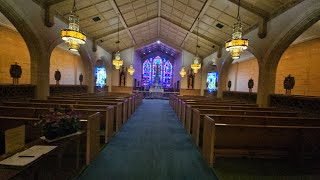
point(188, 114)
point(263, 139)
point(198, 115)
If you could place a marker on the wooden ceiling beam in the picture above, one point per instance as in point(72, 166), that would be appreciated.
point(201, 36)
point(194, 25)
point(159, 15)
point(123, 22)
point(130, 28)
point(264, 16)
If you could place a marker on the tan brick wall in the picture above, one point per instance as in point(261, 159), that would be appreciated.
point(14, 49)
point(301, 61)
point(70, 66)
point(240, 73)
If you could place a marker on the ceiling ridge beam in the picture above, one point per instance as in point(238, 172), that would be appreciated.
point(203, 37)
point(159, 15)
point(201, 13)
point(123, 22)
point(110, 33)
point(153, 40)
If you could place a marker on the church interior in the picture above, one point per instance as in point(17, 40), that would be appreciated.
point(160, 89)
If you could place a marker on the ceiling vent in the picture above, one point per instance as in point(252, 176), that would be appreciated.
point(220, 26)
point(95, 19)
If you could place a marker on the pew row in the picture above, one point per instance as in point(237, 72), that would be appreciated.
point(282, 139)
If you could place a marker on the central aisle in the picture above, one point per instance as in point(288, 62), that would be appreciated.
point(152, 145)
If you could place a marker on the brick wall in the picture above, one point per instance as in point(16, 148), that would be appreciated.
point(301, 61)
point(14, 49)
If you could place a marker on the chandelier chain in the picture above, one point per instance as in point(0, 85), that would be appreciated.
point(197, 38)
point(238, 16)
point(74, 9)
point(118, 31)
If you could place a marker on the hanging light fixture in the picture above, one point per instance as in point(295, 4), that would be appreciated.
point(131, 70)
point(237, 45)
point(196, 65)
point(183, 72)
point(117, 62)
point(72, 35)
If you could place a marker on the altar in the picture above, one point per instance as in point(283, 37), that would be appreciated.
point(156, 91)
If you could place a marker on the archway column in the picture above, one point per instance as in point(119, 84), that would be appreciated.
point(266, 83)
point(40, 68)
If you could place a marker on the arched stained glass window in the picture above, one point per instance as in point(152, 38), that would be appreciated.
point(156, 61)
point(167, 74)
point(212, 80)
point(146, 72)
point(149, 71)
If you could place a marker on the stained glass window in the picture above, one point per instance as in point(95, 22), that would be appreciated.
point(101, 76)
point(146, 72)
point(167, 74)
point(150, 70)
point(212, 79)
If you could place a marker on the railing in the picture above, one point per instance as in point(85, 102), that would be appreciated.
point(157, 95)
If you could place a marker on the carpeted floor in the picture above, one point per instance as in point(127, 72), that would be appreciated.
point(152, 145)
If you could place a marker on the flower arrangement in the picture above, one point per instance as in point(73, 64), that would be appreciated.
point(59, 122)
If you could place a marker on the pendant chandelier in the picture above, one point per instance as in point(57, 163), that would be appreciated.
point(183, 72)
point(72, 35)
point(196, 65)
point(237, 45)
point(117, 62)
point(131, 70)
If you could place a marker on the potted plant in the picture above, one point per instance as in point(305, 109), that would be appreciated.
point(59, 122)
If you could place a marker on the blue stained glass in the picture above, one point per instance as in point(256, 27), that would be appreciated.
point(150, 70)
point(212, 79)
point(101, 76)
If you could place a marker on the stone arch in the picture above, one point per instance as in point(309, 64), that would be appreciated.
point(274, 54)
point(267, 77)
point(39, 55)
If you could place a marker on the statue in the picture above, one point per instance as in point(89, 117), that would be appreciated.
point(288, 84)
point(122, 75)
point(191, 76)
point(229, 84)
point(57, 76)
point(15, 73)
point(81, 78)
point(250, 85)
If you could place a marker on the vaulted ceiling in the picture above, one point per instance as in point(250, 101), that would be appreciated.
point(174, 22)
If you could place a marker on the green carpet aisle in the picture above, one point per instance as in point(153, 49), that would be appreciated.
point(153, 145)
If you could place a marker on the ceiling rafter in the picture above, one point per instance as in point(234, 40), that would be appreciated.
point(201, 13)
point(123, 22)
point(175, 47)
point(253, 9)
point(187, 31)
point(159, 15)
point(132, 27)
point(264, 15)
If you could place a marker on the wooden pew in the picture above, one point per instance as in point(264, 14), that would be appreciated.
point(182, 110)
point(188, 114)
point(198, 115)
point(106, 115)
point(120, 112)
point(31, 171)
point(279, 138)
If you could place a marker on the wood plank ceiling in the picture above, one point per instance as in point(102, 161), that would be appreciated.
point(174, 22)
